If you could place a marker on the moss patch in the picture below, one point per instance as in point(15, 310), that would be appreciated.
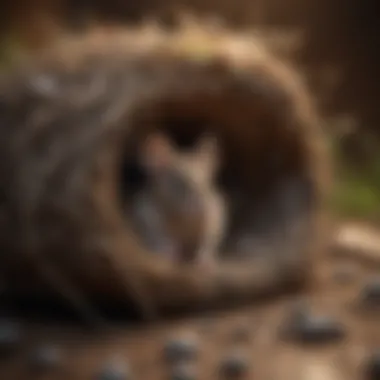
point(357, 190)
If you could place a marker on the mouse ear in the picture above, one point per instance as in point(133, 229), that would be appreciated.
point(207, 151)
point(156, 152)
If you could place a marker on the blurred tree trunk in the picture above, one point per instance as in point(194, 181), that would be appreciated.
point(32, 23)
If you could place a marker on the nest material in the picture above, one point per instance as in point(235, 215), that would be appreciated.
point(70, 120)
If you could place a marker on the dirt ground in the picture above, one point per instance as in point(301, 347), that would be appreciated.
point(252, 334)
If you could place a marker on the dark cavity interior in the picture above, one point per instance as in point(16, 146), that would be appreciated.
point(264, 173)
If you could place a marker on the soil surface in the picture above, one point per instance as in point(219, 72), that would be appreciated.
point(333, 332)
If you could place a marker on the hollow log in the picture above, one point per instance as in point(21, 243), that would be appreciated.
point(70, 121)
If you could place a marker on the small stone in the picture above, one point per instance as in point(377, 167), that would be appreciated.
point(46, 358)
point(304, 327)
point(234, 366)
point(370, 294)
point(315, 368)
point(372, 367)
point(115, 370)
point(181, 349)
point(183, 372)
point(10, 336)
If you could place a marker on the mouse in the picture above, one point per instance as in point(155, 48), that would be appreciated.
point(180, 212)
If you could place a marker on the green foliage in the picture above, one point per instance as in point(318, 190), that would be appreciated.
point(10, 51)
point(357, 191)
point(357, 198)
